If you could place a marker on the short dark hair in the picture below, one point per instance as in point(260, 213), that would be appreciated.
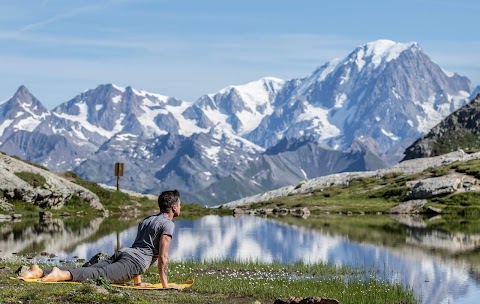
point(167, 199)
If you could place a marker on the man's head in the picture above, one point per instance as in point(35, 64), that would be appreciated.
point(169, 201)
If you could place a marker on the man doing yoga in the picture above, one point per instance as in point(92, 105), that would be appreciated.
point(151, 243)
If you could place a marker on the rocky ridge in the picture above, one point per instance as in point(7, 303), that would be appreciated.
point(409, 167)
point(459, 130)
point(54, 193)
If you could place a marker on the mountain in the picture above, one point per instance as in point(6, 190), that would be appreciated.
point(237, 108)
point(21, 112)
point(459, 130)
point(356, 113)
point(170, 161)
point(288, 163)
point(384, 94)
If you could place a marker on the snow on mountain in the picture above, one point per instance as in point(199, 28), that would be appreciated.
point(99, 114)
point(239, 108)
point(385, 93)
point(373, 103)
point(375, 53)
point(21, 112)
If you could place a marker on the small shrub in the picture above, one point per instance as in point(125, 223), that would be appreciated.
point(71, 174)
point(397, 193)
point(438, 171)
point(33, 179)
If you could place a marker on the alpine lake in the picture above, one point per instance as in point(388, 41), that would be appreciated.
point(440, 265)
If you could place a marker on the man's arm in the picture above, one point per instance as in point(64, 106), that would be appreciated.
point(165, 240)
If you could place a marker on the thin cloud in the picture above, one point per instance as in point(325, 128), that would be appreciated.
point(68, 14)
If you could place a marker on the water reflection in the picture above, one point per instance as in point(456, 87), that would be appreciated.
point(441, 267)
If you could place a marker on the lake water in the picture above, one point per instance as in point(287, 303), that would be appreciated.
point(440, 267)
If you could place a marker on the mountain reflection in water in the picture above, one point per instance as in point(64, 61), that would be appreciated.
point(409, 256)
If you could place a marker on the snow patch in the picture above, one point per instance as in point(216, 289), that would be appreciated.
point(27, 124)
point(82, 121)
point(339, 100)
point(345, 78)
point(212, 154)
point(318, 119)
point(304, 174)
point(117, 99)
point(394, 91)
point(410, 123)
point(389, 134)
point(5, 124)
point(125, 136)
point(448, 73)
point(98, 107)
point(121, 89)
point(377, 118)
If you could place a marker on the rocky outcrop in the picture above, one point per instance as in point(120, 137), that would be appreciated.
point(408, 207)
point(53, 193)
point(458, 130)
point(436, 186)
point(408, 167)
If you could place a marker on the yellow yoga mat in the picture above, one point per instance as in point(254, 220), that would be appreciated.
point(151, 287)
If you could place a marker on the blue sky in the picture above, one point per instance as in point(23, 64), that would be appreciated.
point(185, 49)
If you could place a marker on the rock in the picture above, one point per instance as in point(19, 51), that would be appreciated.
point(435, 186)
point(408, 207)
point(433, 210)
point(238, 211)
point(5, 206)
point(45, 214)
point(53, 194)
point(5, 217)
point(5, 270)
point(309, 300)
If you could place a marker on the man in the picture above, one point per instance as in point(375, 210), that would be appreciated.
point(152, 242)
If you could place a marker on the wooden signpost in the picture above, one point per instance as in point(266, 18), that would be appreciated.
point(118, 173)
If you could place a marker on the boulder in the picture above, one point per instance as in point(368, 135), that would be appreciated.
point(52, 194)
point(435, 186)
point(408, 207)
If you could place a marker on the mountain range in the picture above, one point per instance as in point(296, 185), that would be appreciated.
point(351, 114)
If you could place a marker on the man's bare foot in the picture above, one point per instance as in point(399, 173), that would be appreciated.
point(57, 275)
point(34, 272)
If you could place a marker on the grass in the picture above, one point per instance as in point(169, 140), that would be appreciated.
point(222, 282)
point(33, 179)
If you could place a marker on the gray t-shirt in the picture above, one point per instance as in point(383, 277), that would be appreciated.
point(145, 248)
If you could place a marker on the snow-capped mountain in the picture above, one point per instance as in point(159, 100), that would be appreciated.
point(384, 94)
point(355, 113)
point(237, 108)
point(22, 112)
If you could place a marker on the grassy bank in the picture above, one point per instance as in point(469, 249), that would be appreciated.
point(116, 202)
point(373, 195)
point(221, 282)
